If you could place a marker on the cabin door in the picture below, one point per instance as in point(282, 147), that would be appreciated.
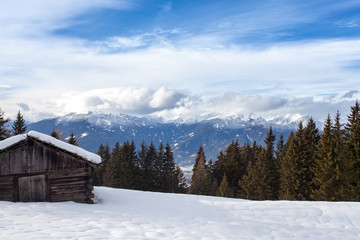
point(32, 188)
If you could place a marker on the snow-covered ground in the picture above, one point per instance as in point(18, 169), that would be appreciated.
point(126, 214)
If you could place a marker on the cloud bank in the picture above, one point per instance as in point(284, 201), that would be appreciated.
point(202, 68)
point(179, 105)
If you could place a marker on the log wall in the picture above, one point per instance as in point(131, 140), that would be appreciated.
point(32, 156)
point(34, 171)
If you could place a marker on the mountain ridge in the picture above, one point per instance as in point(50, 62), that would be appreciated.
point(214, 134)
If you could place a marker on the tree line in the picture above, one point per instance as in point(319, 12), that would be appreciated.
point(149, 169)
point(309, 166)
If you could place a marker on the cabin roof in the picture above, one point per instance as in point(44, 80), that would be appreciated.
point(89, 156)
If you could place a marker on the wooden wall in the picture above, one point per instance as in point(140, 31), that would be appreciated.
point(34, 171)
point(32, 156)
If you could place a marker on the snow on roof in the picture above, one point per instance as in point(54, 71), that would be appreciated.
point(92, 157)
point(11, 141)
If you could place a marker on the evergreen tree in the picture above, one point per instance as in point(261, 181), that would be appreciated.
point(200, 181)
point(98, 172)
point(341, 157)
point(72, 140)
point(211, 172)
point(271, 165)
point(289, 166)
point(324, 167)
point(296, 173)
point(329, 165)
point(257, 184)
point(232, 164)
point(159, 170)
point(19, 125)
point(147, 159)
point(181, 186)
point(311, 140)
point(353, 145)
point(111, 175)
point(224, 189)
point(169, 177)
point(280, 146)
point(128, 170)
point(4, 133)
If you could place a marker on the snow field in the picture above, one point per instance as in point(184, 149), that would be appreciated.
point(126, 214)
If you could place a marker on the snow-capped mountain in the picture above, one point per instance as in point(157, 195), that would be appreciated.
point(93, 129)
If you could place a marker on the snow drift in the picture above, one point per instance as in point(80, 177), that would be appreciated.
point(127, 214)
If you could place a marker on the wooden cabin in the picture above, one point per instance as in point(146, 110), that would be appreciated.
point(35, 167)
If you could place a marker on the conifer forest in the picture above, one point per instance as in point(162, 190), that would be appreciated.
point(311, 164)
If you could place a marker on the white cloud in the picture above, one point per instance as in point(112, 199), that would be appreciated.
point(54, 75)
point(234, 104)
point(4, 86)
point(130, 100)
point(47, 72)
point(165, 98)
point(347, 24)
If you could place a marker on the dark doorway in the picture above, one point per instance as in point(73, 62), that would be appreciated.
point(32, 189)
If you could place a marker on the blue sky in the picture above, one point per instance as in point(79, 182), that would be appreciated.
point(242, 22)
point(179, 59)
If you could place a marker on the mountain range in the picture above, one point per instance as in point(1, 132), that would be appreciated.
point(214, 134)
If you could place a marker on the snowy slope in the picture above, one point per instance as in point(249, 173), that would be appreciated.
point(126, 214)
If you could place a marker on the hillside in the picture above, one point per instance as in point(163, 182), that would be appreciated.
point(126, 214)
point(213, 134)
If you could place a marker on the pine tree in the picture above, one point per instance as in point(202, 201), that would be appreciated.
point(127, 167)
point(250, 155)
point(280, 146)
point(111, 175)
point(72, 140)
point(170, 183)
point(271, 165)
point(341, 156)
point(200, 183)
point(232, 164)
point(99, 171)
point(4, 133)
point(261, 181)
point(211, 172)
point(181, 186)
point(19, 125)
point(324, 167)
point(146, 159)
point(289, 166)
point(159, 169)
point(353, 145)
point(224, 189)
point(257, 183)
point(311, 140)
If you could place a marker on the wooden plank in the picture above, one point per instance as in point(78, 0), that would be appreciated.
point(32, 188)
point(7, 196)
point(75, 198)
point(67, 174)
point(69, 183)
